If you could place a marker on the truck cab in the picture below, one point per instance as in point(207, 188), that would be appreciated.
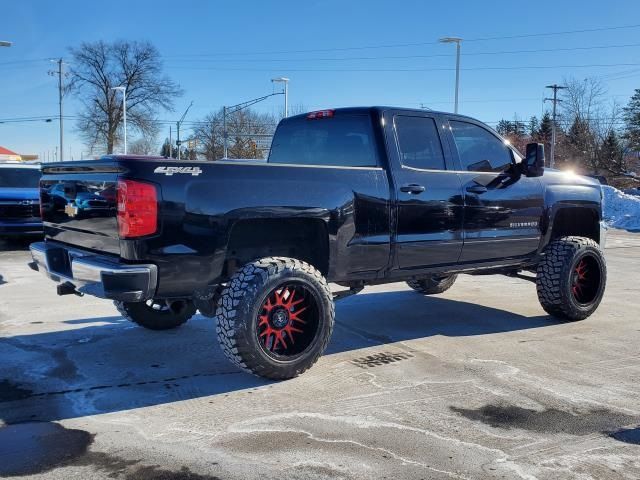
point(353, 196)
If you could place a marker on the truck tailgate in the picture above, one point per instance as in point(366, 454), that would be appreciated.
point(79, 204)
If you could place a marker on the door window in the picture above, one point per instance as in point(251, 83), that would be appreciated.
point(419, 142)
point(479, 150)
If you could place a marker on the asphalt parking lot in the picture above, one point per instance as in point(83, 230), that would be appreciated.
point(475, 383)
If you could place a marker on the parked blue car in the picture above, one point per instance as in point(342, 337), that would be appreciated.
point(20, 199)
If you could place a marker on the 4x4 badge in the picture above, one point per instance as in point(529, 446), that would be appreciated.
point(195, 171)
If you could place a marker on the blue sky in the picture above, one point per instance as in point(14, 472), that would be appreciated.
point(225, 52)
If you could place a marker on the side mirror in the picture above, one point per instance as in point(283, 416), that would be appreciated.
point(533, 164)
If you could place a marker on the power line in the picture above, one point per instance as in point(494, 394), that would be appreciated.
point(437, 69)
point(405, 57)
point(188, 58)
point(419, 44)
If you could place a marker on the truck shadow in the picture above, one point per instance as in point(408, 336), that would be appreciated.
point(110, 365)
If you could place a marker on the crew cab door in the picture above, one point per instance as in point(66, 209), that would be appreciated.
point(429, 208)
point(502, 209)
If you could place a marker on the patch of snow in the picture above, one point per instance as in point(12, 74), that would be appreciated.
point(620, 210)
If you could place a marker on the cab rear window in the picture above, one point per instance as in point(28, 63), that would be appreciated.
point(339, 141)
point(19, 178)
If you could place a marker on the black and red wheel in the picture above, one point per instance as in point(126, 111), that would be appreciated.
point(571, 278)
point(275, 317)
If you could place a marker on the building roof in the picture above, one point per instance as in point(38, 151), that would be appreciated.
point(6, 151)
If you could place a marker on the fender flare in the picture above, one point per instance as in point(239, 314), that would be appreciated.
point(562, 197)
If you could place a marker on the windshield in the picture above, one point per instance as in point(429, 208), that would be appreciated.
point(19, 178)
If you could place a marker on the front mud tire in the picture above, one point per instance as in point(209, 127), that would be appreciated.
point(275, 317)
point(571, 278)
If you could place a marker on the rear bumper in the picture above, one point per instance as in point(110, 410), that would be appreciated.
point(98, 275)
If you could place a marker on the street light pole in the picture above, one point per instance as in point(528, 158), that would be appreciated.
point(241, 106)
point(4, 43)
point(284, 80)
point(124, 113)
point(457, 41)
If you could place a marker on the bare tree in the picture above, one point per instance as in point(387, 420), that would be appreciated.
point(98, 67)
point(145, 145)
point(248, 134)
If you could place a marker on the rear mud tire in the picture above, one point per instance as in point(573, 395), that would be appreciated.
point(157, 314)
point(275, 317)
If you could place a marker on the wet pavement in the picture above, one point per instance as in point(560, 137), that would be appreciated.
point(475, 383)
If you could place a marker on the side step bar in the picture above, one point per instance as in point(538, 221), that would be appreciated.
point(340, 294)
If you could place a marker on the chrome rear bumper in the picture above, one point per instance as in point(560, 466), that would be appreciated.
point(92, 274)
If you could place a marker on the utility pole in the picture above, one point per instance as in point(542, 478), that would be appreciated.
point(224, 132)
point(170, 144)
point(555, 87)
point(178, 143)
point(60, 74)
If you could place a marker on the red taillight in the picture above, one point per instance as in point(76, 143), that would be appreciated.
point(320, 114)
point(137, 209)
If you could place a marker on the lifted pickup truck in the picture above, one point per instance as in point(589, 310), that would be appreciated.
point(354, 196)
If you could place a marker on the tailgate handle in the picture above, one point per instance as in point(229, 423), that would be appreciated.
point(412, 188)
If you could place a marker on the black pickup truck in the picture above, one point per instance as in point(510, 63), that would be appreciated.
point(353, 196)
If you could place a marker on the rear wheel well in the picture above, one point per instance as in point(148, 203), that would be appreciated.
point(576, 221)
point(304, 239)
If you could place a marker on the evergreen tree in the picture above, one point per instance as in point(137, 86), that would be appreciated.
point(544, 130)
point(504, 127)
point(580, 143)
point(165, 151)
point(632, 121)
point(534, 126)
point(518, 127)
point(611, 152)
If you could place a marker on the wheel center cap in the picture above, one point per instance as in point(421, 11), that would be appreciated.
point(280, 318)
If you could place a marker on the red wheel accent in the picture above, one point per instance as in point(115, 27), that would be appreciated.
point(579, 278)
point(585, 280)
point(280, 321)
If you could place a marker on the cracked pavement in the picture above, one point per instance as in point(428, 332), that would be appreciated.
point(475, 383)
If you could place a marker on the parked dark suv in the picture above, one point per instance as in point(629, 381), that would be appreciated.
point(19, 199)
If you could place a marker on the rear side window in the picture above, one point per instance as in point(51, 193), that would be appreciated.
point(419, 142)
point(342, 141)
point(479, 150)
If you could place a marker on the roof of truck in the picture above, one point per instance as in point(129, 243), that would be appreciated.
point(380, 108)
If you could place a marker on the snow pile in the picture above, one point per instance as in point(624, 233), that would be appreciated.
point(620, 210)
